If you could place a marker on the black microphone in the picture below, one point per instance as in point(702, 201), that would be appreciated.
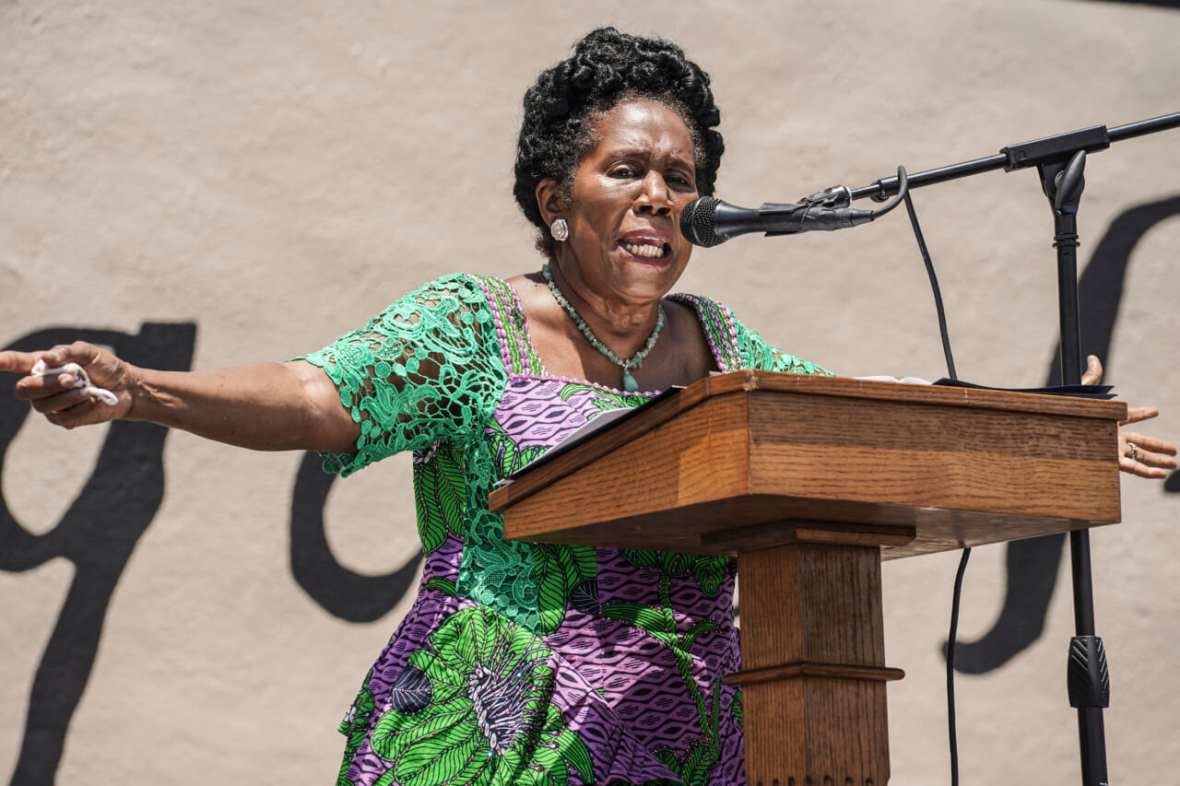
point(708, 221)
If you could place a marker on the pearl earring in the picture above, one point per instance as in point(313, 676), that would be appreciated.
point(560, 230)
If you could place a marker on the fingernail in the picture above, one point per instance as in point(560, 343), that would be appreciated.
point(65, 380)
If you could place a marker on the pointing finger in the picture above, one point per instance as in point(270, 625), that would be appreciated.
point(20, 362)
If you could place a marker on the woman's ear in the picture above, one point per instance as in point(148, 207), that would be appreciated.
point(548, 194)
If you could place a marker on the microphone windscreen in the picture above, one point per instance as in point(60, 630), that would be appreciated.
point(697, 222)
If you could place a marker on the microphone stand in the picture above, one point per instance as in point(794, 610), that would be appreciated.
point(1061, 161)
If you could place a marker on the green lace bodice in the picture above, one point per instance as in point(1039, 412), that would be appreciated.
point(429, 374)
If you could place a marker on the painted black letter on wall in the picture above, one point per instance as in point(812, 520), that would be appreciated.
point(97, 533)
point(340, 591)
point(1033, 564)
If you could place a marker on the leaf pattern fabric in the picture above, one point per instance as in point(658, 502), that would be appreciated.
point(489, 719)
point(708, 570)
point(439, 494)
point(528, 663)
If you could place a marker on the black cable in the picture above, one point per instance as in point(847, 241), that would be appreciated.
point(952, 733)
point(950, 667)
point(946, 340)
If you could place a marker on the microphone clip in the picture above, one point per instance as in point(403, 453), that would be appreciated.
point(824, 210)
point(834, 197)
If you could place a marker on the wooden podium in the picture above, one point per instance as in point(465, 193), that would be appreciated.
point(812, 481)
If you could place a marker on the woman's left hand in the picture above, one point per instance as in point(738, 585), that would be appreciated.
point(1139, 454)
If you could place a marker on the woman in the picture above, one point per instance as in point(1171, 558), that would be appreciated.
point(521, 663)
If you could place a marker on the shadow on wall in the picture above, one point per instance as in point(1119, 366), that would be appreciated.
point(340, 591)
point(1032, 565)
point(103, 524)
point(97, 534)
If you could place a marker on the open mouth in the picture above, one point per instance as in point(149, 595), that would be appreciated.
point(647, 250)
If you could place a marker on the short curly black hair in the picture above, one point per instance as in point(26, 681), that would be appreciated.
point(607, 67)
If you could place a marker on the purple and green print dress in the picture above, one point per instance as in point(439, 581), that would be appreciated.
point(526, 663)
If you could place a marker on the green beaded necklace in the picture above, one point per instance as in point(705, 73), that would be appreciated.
point(635, 361)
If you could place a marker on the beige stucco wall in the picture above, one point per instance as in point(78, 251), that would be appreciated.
point(276, 172)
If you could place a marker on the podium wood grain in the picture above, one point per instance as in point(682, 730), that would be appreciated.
point(960, 466)
point(811, 481)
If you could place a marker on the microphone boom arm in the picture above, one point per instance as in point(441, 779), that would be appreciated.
point(1036, 152)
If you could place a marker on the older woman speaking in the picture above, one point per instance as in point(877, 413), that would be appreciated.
point(520, 663)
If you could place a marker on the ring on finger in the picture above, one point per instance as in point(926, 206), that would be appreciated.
point(1133, 453)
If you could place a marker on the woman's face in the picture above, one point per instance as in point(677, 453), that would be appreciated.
point(625, 204)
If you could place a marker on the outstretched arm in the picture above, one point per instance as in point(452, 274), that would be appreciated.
point(268, 406)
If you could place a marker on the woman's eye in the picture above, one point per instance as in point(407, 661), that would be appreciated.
point(624, 171)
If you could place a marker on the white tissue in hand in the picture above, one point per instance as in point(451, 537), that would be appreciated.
point(81, 380)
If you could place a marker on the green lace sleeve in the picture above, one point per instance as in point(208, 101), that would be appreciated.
point(426, 369)
point(756, 353)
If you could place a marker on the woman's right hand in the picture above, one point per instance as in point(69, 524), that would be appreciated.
point(265, 406)
point(55, 396)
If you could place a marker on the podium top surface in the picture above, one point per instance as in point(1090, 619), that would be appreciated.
point(956, 466)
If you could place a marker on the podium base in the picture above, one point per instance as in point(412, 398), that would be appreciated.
point(813, 655)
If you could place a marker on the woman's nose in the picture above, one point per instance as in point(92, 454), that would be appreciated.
point(655, 197)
